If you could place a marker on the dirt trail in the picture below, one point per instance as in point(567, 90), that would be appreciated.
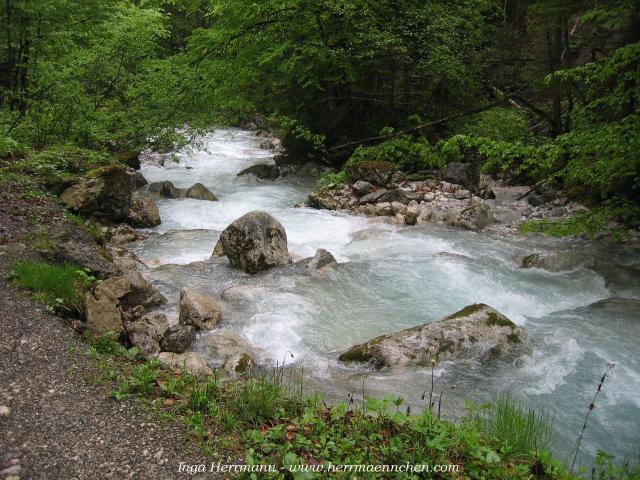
point(55, 421)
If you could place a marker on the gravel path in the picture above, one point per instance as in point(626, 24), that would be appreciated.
point(55, 421)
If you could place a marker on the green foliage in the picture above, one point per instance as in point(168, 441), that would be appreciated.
point(407, 153)
point(62, 286)
point(591, 223)
point(500, 124)
point(520, 428)
point(331, 180)
point(606, 469)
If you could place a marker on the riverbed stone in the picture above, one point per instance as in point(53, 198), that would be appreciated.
point(255, 242)
point(144, 213)
point(178, 338)
point(377, 173)
point(362, 188)
point(191, 361)
point(474, 217)
point(373, 197)
point(475, 332)
point(165, 189)
point(199, 309)
point(199, 192)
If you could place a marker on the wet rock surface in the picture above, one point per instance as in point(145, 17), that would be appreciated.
point(255, 242)
point(475, 332)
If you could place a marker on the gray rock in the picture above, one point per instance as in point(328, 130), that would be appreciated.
point(199, 309)
point(178, 338)
point(463, 174)
point(553, 262)
point(325, 200)
point(140, 181)
point(373, 197)
point(191, 361)
point(474, 217)
point(475, 332)
point(105, 194)
point(144, 213)
point(396, 195)
point(322, 259)
point(239, 364)
point(265, 171)
point(462, 194)
point(166, 189)
point(255, 242)
point(379, 174)
point(362, 188)
point(146, 333)
point(200, 192)
point(72, 243)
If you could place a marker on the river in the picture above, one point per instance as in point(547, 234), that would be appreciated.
point(391, 277)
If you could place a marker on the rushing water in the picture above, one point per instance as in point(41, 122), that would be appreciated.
point(392, 277)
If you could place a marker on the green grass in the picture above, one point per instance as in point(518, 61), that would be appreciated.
point(331, 180)
point(267, 419)
point(59, 285)
point(522, 428)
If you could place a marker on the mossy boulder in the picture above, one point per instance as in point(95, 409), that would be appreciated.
point(105, 193)
point(376, 173)
point(144, 213)
point(475, 332)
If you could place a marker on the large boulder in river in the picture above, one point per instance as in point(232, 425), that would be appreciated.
point(199, 309)
point(165, 189)
point(475, 332)
point(105, 194)
point(380, 174)
point(199, 192)
point(255, 242)
point(265, 171)
point(144, 213)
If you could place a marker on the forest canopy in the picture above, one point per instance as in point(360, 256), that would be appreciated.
point(545, 91)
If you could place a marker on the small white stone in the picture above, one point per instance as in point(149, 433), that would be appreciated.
point(4, 411)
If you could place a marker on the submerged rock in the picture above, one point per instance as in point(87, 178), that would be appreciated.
point(553, 262)
point(322, 259)
point(255, 242)
point(144, 213)
point(105, 194)
point(477, 331)
point(199, 309)
point(199, 192)
point(140, 181)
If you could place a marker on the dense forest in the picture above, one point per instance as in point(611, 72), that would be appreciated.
point(543, 90)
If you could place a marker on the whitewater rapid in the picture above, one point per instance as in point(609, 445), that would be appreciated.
point(393, 277)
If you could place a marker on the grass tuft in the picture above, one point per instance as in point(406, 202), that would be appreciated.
point(523, 428)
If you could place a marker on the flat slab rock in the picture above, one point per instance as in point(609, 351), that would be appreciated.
point(475, 332)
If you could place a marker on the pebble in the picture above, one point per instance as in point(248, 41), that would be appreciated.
point(4, 411)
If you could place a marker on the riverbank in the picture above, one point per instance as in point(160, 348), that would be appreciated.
point(216, 277)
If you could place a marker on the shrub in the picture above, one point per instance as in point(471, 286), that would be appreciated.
point(331, 180)
point(407, 153)
point(499, 124)
point(62, 286)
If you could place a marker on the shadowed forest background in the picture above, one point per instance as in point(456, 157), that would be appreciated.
point(544, 91)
